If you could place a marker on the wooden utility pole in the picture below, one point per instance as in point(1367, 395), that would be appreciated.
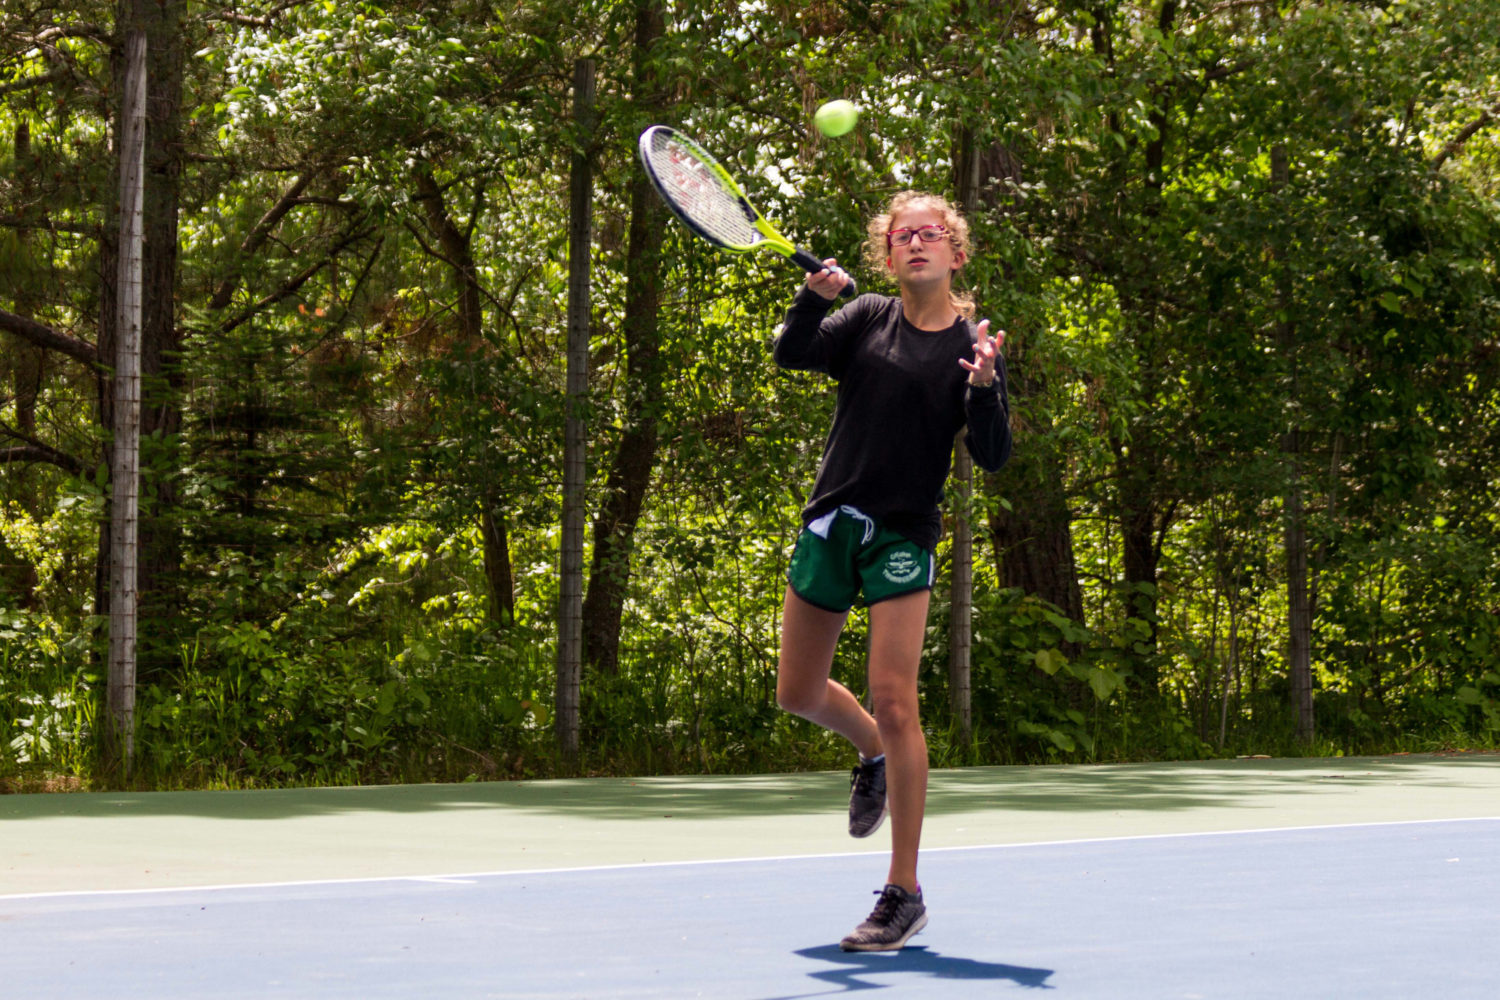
point(961, 618)
point(961, 613)
point(125, 466)
point(566, 707)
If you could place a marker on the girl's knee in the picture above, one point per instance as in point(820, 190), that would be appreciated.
point(896, 714)
point(800, 699)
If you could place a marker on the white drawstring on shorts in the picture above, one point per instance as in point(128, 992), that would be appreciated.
point(820, 526)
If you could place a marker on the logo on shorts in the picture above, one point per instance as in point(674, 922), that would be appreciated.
point(902, 567)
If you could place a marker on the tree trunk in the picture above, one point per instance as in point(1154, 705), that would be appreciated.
point(1033, 542)
point(498, 570)
point(1299, 607)
point(1298, 593)
point(630, 471)
point(567, 709)
point(1143, 521)
point(26, 375)
point(458, 251)
point(161, 416)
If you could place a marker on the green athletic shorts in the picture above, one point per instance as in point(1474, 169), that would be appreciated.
point(846, 552)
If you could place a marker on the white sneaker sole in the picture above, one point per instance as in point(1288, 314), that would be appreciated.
point(897, 945)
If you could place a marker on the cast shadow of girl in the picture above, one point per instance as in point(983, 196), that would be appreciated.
point(911, 960)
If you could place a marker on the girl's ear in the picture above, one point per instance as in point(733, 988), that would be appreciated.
point(959, 259)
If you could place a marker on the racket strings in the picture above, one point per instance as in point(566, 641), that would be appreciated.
point(700, 194)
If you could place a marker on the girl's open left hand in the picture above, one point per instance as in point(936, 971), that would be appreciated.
point(986, 350)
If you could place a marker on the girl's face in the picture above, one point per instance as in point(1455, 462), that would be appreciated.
point(918, 261)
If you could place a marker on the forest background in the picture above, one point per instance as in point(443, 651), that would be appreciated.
point(1245, 251)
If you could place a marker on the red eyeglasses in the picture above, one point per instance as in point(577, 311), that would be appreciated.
point(927, 234)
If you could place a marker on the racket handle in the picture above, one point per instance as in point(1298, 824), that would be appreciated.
point(813, 265)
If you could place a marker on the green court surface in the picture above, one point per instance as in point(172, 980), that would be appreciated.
point(81, 842)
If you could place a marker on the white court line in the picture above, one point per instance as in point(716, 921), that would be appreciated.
point(469, 878)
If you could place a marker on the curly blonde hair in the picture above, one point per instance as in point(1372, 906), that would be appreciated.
point(876, 251)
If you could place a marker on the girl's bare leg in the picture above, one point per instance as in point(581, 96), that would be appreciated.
point(803, 686)
point(897, 628)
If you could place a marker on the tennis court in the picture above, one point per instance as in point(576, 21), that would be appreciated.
point(1255, 878)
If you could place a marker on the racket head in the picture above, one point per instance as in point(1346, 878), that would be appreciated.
point(703, 195)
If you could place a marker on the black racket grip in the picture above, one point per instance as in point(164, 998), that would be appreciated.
point(813, 265)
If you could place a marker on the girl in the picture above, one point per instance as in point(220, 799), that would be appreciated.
point(911, 370)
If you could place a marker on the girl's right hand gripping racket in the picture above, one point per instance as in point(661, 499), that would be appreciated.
point(709, 202)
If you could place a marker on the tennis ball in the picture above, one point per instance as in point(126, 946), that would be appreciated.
point(836, 117)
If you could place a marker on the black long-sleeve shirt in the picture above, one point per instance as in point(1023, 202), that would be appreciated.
point(902, 396)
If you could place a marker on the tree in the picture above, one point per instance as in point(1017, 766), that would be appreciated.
point(630, 468)
point(166, 38)
point(575, 467)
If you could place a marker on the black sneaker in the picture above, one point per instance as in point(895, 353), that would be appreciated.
point(897, 916)
point(866, 798)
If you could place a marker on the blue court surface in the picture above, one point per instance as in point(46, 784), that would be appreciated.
point(1384, 909)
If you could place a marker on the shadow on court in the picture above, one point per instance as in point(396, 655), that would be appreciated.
point(1057, 788)
point(1169, 786)
point(914, 961)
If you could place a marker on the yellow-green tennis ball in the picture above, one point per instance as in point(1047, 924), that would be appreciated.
point(836, 117)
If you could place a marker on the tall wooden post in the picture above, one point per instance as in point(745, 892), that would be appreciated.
point(961, 618)
point(566, 709)
point(125, 471)
point(961, 614)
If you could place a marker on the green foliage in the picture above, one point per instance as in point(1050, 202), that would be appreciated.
point(45, 692)
point(244, 712)
point(1048, 689)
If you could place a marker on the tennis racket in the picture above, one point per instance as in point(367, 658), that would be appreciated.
point(708, 201)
